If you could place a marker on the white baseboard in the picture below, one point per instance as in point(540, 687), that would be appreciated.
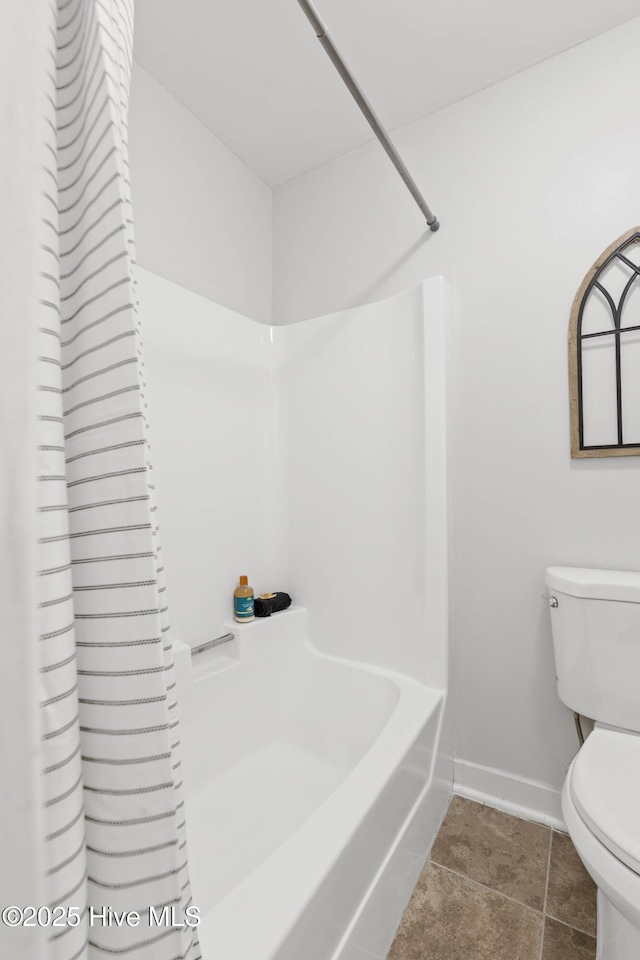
point(529, 799)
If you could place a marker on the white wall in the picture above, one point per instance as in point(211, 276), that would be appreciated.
point(531, 179)
point(202, 217)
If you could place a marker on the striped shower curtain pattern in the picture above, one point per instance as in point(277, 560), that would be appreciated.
point(114, 814)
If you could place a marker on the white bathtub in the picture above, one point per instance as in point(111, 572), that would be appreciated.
point(302, 773)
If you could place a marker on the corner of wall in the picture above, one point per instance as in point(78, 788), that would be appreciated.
point(203, 217)
point(521, 796)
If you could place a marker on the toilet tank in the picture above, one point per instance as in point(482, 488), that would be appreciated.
point(595, 620)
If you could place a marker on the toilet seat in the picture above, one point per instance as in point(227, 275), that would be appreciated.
point(605, 787)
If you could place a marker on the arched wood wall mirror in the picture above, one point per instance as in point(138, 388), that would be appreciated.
point(604, 354)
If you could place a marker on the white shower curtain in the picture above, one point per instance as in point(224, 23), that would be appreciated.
point(114, 815)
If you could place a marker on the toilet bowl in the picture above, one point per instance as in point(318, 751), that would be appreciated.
point(595, 616)
point(601, 807)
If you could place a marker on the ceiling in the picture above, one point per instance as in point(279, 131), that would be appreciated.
point(254, 73)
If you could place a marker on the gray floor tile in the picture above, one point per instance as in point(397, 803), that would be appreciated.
point(566, 943)
point(571, 894)
point(453, 918)
point(501, 851)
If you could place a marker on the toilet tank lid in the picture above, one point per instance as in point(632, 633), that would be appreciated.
point(594, 584)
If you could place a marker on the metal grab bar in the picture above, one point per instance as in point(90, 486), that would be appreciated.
point(334, 55)
point(208, 644)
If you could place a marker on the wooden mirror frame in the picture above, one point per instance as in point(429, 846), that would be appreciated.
point(616, 250)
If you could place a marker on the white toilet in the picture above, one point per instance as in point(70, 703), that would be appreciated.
point(595, 618)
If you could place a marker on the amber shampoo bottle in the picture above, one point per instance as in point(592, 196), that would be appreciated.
point(243, 601)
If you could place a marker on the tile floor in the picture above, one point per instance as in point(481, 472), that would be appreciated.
point(498, 888)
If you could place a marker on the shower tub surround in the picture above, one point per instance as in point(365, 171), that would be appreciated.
point(311, 457)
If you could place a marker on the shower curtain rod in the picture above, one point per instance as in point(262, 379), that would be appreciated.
point(368, 111)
